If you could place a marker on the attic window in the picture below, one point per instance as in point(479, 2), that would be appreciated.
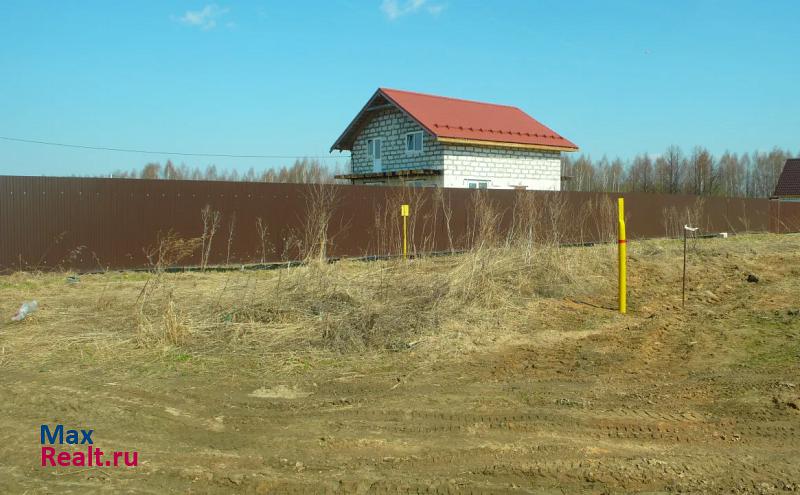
point(414, 142)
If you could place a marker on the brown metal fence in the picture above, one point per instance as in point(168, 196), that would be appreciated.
point(86, 224)
point(785, 216)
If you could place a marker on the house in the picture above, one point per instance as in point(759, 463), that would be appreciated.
point(401, 137)
point(788, 186)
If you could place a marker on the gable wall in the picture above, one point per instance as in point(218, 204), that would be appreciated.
point(392, 125)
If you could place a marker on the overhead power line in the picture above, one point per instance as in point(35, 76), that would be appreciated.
point(151, 152)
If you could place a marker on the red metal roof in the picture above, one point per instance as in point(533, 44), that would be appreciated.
point(464, 119)
point(789, 181)
point(452, 118)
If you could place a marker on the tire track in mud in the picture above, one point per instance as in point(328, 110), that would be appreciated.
point(623, 423)
point(487, 475)
point(699, 440)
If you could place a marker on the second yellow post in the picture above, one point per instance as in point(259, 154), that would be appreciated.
point(623, 302)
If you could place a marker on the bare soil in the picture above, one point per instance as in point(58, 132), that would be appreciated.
point(544, 394)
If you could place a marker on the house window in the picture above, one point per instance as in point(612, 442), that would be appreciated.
point(478, 184)
point(374, 148)
point(414, 142)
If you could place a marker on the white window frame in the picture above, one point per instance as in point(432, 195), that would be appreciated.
point(414, 151)
point(477, 183)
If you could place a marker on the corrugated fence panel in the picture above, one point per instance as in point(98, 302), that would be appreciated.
point(80, 223)
point(785, 216)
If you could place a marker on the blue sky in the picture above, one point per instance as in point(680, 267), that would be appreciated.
point(285, 78)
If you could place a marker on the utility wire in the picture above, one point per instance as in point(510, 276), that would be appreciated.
point(149, 152)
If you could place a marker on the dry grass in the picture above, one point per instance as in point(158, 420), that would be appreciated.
point(345, 307)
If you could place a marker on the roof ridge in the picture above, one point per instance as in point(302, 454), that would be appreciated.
point(450, 98)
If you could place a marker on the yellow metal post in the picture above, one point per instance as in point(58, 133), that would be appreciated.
point(623, 303)
point(404, 213)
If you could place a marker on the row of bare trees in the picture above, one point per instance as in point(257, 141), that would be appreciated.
point(674, 171)
point(302, 171)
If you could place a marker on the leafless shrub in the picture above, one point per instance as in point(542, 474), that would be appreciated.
point(157, 320)
point(675, 218)
point(211, 219)
point(539, 218)
point(695, 214)
point(671, 219)
point(57, 239)
point(526, 222)
point(169, 250)
point(291, 244)
point(420, 223)
point(386, 235)
point(745, 218)
point(321, 201)
point(231, 227)
point(447, 213)
point(484, 231)
point(555, 207)
point(265, 248)
point(71, 257)
point(381, 231)
point(601, 213)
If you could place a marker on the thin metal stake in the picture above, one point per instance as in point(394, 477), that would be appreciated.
point(683, 294)
point(686, 228)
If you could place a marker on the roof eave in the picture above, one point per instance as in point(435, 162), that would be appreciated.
point(506, 144)
point(412, 172)
point(337, 145)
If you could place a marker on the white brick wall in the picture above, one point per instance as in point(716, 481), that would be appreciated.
point(503, 168)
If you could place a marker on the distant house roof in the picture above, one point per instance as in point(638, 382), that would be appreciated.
point(460, 121)
point(789, 181)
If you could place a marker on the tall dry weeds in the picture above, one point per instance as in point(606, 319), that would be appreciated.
point(231, 228)
point(443, 201)
point(387, 234)
point(156, 317)
point(674, 218)
point(321, 201)
point(211, 220)
point(264, 246)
